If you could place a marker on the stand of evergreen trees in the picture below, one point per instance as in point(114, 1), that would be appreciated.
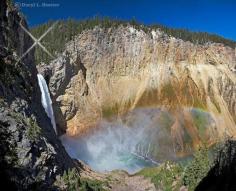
point(65, 30)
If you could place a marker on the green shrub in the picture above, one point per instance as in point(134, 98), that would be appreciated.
point(91, 185)
point(166, 177)
point(197, 169)
point(33, 130)
point(69, 181)
point(171, 176)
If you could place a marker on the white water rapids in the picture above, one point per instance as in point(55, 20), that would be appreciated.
point(46, 100)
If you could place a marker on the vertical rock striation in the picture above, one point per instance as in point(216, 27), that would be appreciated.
point(125, 68)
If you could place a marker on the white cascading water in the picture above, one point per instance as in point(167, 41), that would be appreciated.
point(46, 100)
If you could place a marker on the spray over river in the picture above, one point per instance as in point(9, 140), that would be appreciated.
point(140, 138)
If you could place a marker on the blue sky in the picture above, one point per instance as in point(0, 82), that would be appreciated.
point(214, 16)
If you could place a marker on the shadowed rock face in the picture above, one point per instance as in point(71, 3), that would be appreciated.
point(31, 156)
point(222, 174)
point(123, 69)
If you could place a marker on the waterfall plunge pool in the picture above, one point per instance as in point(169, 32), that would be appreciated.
point(137, 140)
point(110, 147)
point(103, 155)
point(115, 145)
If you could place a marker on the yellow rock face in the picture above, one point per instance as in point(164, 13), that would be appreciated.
point(128, 69)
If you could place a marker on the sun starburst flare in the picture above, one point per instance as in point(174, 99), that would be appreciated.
point(37, 41)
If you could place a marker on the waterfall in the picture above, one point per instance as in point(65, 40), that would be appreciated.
point(46, 100)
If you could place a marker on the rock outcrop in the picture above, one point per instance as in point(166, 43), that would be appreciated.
point(31, 156)
point(61, 74)
point(124, 68)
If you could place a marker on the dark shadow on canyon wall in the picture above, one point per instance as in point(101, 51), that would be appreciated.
point(5, 165)
point(222, 175)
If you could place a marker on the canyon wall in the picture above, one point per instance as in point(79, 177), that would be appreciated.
point(31, 156)
point(106, 73)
